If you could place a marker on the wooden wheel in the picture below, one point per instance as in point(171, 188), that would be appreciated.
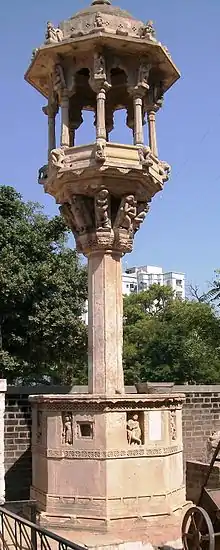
point(197, 530)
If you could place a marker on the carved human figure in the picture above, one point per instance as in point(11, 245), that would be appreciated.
point(99, 65)
point(98, 20)
point(102, 207)
point(67, 434)
point(134, 430)
point(148, 30)
point(126, 213)
point(100, 152)
point(143, 75)
point(142, 210)
point(81, 215)
point(145, 156)
point(53, 34)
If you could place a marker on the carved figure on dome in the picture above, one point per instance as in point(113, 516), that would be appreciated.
point(102, 209)
point(99, 22)
point(58, 78)
point(134, 431)
point(67, 433)
point(43, 174)
point(127, 212)
point(148, 31)
point(164, 170)
point(53, 34)
point(142, 210)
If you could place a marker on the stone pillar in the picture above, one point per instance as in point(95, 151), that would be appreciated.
point(100, 115)
point(3, 388)
point(65, 138)
point(51, 112)
point(105, 330)
point(151, 116)
point(138, 121)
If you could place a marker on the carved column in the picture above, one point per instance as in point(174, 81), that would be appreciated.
point(51, 110)
point(138, 121)
point(65, 137)
point(105, 330)
point(151, 117)
point(99, 84)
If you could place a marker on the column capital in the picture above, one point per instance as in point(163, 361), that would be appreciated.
point(95, 227)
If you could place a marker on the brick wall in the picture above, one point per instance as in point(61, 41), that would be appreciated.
point(201, 415)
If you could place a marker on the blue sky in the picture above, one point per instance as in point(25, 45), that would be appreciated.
point(183, 227)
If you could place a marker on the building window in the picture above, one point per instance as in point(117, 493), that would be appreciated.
point(179, 282)
point(179, 295)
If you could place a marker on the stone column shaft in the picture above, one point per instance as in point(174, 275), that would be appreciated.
point(152, 132)
point(105, 324)
point(51, 132)
point(138, 122)
point(100, 115)
point(65, 138)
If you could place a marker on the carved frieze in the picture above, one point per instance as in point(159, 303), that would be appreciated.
point(173, 425)
point(137, 451)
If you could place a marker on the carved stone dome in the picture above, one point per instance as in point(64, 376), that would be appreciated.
point(101, 15)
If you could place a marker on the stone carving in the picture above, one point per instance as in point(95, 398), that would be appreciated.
point(102, 210)
point(148, 31)
point(212, 443)
point(99, 21)
point(99, 65)
point(53, 34)
point(142, 210)
point(143, 74)
point(67, 432)
point(57, 158)
point(115, 453)
point(59, 82)
point(100, 152)
point(34, 53)
point(81, 215)
point(173, 425)
point(145, 156)
point(134, 431)
point(43, 174)
point(127, 212)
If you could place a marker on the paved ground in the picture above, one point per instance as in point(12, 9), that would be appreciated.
point(156, 531)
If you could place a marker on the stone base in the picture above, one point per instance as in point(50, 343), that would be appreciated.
point(86, 472)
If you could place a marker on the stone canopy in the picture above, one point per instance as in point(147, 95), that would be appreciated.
point(101, 25)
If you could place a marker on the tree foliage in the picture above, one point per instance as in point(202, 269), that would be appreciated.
point(43, 289)
point(166, 339)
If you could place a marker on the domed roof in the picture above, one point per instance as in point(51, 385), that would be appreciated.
point(102, 16)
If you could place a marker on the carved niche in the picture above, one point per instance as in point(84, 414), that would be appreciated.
point(134, 431)
point(67, 430)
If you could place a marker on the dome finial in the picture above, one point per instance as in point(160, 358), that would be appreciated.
point(101, 2)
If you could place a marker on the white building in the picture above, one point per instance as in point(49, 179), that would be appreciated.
point(136, 279)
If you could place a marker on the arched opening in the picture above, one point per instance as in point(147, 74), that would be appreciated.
point(121, 133)
point(86, 132)
point(81, 110)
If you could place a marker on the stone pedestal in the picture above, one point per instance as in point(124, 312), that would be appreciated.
point(98, 460)
point(3, 388)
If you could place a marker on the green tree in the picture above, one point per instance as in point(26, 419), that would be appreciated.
point(166, 339)
point(43, 289)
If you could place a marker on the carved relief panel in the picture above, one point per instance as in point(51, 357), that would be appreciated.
point(173, 431)
point(135, 428)
point(67, 428)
